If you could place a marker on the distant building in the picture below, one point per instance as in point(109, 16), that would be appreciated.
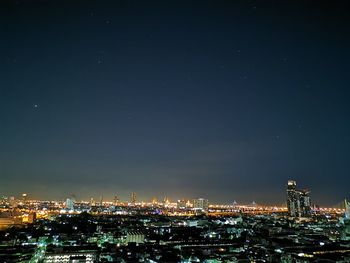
point(92, 202)
point(70, 204)
point(305, 203)
point(116, 200)
point(133, 198)
point(298, 201)
point(12, 201)
point(201, 204)
point(10, 218)
point(24, 198)
point(292, 200)
point(6, 222)
point(135, 237)
point(181, 204)
point(31, 217)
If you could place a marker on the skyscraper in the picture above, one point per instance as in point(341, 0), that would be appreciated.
point(292, 203)
point(305, 203)
point(298, 201)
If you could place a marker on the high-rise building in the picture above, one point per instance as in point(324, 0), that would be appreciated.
point(201, 204)
point(133, 198)
point(305, 203)
point(70, 204)
point(298, 201)
point(292, 200)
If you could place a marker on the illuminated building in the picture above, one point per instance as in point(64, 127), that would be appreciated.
point(292, 200)
point(29, 218)
point(133, 198)
point(135, 237)
point(6, 222)
point(298, 202)
point(305, 203)
point(181, 204)
point(70, 204)
point(87, 257)
point(12, 201)
point(24, 198)
point(116, 200)
point(201, 204)
point(166, 201)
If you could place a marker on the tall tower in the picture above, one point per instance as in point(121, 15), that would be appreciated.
point(292, 198)
point(298, 201)
point(305, 203)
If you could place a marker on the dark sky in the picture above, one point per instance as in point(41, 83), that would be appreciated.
point(219, 99)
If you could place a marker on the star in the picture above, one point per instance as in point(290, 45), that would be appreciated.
point(36, 105)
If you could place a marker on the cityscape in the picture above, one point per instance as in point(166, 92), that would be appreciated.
point(173, 231)
point(174, 131)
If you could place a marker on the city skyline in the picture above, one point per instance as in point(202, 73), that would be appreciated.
point(221, 100)
point(297, 201)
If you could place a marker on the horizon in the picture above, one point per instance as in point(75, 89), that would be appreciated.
point(149, 198)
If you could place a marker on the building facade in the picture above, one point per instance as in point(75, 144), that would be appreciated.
point(298, 201)
point(201, 204)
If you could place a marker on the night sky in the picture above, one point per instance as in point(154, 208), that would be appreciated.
point(219, 99)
